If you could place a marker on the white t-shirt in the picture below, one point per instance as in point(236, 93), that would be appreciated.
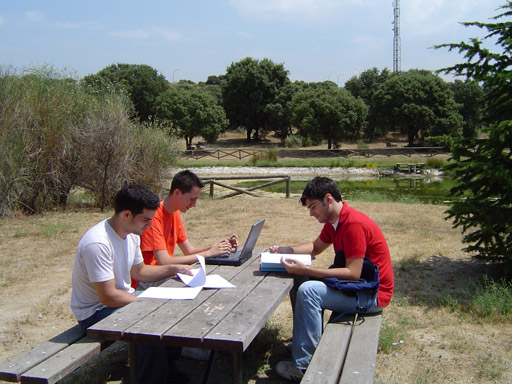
point(101, 255)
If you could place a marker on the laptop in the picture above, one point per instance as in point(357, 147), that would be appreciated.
point(239, 256)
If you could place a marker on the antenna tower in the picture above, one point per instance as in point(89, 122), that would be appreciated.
point(396, 37)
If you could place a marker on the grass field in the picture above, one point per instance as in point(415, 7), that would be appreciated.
point(434, 331)
point(445, 324)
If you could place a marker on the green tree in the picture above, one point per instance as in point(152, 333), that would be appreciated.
point(142, 83)
point(365, 86)
point(483, 166)
point(248, 89)
point(418, 104)
point(470, 97)
point(322, 111)
point(192, 111)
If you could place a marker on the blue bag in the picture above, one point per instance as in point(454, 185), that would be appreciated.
point(369, 282)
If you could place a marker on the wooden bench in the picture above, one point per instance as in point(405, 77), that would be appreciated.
point(52, 360)
point(409, 167)
point(347, 351)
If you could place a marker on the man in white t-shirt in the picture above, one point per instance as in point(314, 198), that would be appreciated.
point(106, 256)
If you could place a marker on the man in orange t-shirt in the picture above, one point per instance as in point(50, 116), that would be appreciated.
point(159, 241)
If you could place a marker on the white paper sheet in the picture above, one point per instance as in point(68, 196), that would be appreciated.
point(171, 293)
point(275, 258)
point(199, 279)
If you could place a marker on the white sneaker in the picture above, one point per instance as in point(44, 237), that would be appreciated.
point(195, 353)
point(289, 371)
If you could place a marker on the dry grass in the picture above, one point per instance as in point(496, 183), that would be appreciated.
point(439, 343)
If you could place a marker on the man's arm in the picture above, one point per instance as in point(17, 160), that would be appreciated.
point(162, 257)
point(111, 296)
point(151, 273)
point(352, 270)
point(220, 247)
point(312, 248)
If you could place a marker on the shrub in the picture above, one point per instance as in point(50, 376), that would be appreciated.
point(55, 135)
point(293, 141)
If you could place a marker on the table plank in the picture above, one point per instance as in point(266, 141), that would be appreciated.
point(114, 326)
point(209, 313)
point(239, 328)
point(151, 327)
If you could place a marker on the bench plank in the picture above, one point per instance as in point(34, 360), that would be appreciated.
point(12, 370)
point(325, 366)
point(59, 365)
point(359, 364)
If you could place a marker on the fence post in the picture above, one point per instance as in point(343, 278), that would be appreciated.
point(211, 190)
point(288, 187)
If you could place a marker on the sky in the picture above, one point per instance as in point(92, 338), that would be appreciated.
point(315, 40)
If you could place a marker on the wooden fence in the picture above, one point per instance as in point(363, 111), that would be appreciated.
point(313, 153)
point(238, 191)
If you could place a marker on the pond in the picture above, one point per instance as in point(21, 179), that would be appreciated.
point(403, 190)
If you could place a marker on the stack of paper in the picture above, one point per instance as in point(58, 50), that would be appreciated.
point(195, 283)
point(271, 262)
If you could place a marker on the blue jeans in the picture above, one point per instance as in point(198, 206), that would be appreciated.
point(312, 298)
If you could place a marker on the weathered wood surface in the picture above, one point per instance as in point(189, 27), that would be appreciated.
point(212, 311)
point(13, 369)
point(224, 319)
point(62, 363)
point(239, 328)
point(362, 352)
point(325, 366)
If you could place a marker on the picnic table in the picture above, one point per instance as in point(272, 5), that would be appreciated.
point(217, 319)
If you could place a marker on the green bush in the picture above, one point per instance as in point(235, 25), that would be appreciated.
point(293, 141)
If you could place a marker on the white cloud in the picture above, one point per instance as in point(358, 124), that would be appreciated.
point(168, 34)
point(433, 17)
point(34, 16)
point(289, 10)
point(134, 34)
point(78, 25)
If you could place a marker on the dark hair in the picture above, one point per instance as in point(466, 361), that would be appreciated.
point(135, 198)
point(185, 181)
point(317, 188)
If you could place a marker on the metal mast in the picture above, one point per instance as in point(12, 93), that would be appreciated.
point(396, 37)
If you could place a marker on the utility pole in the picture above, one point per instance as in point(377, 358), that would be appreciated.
point(396, 37)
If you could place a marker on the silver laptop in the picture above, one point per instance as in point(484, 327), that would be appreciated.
point(239, 256)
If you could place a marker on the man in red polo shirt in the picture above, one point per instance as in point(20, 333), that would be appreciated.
point(354, 237)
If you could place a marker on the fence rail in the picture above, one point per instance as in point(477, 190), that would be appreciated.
point(238, 191)
point(314, 153)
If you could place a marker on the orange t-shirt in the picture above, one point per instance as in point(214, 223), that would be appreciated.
point(165, 232)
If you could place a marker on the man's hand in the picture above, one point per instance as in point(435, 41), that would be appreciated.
point(233, 240)
point(278, 249)
point(219, 248)
point(294, 267)
point(182, 268)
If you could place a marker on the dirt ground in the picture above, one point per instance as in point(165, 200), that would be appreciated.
point(431, 340)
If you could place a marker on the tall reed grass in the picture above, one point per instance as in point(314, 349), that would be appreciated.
point(57, 134)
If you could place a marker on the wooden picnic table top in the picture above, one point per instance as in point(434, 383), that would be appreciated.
point(217, 319)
